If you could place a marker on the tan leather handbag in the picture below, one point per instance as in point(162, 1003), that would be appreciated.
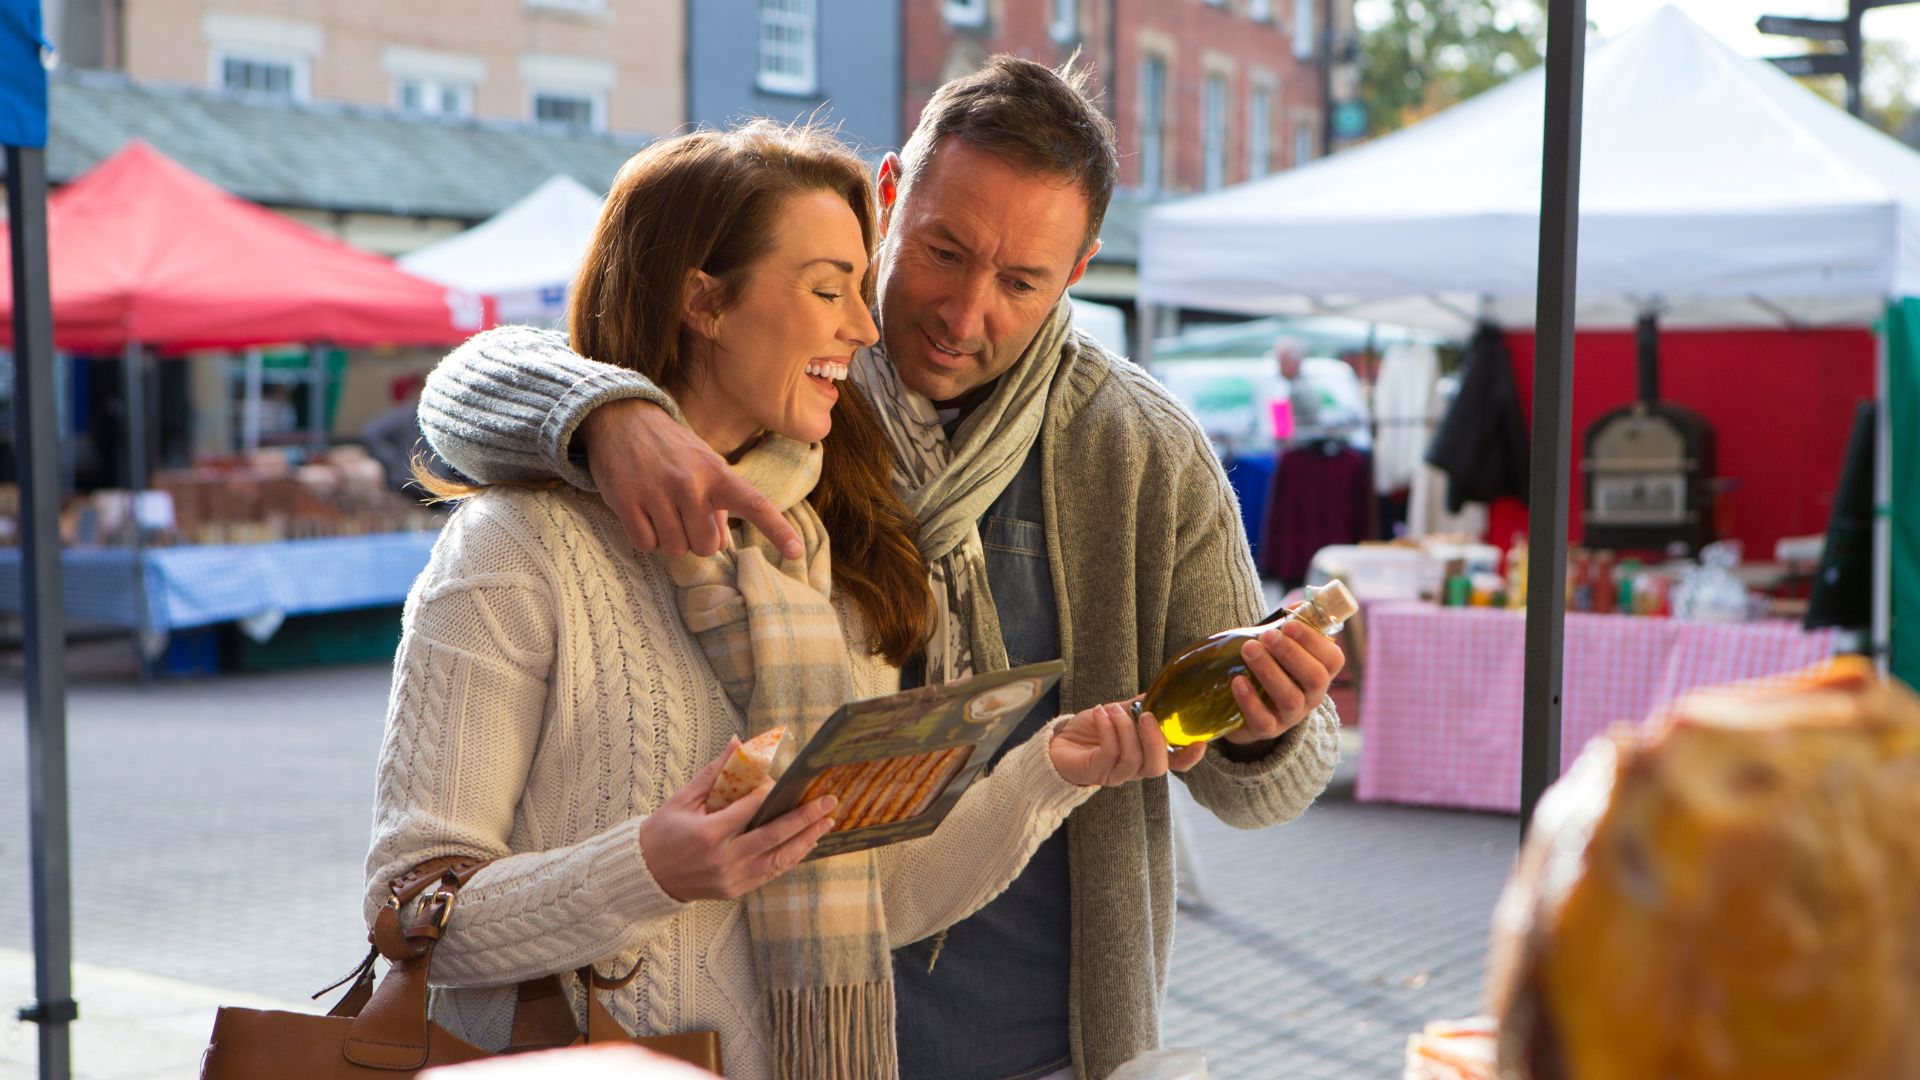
point(382, 1030)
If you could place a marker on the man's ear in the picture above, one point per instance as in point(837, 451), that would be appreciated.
point(1080, 268)
point(700, 311)
point(887, 186)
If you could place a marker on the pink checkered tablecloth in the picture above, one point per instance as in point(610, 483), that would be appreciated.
point(1440, 701)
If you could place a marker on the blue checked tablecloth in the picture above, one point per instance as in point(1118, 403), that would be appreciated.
point(254, 584)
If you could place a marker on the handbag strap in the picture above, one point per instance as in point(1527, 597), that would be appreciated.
point(390, 1030)
point(390, 1026)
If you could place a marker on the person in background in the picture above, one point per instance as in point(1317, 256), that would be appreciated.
point(1068, 507)
point(393, 438)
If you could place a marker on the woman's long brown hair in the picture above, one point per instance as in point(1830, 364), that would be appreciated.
point(711, 200)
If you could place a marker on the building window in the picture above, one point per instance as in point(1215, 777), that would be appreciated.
point(965, 12)
point(595, 6)
point(1259, 132)
point(1066, 20)
point(1302, 141)
point(1303, 29)
point(278, 78)
point(1213, 132)
point(1153, 122)
point(1260, 10)
point(433, 97)
point(560, 109)
point(787, 46)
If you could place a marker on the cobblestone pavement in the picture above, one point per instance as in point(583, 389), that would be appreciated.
point(219, 829)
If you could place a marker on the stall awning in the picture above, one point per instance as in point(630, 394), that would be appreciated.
point(143, 250)
point(1713, 188)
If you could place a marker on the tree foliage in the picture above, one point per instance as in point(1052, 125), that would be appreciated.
point(1421, 56)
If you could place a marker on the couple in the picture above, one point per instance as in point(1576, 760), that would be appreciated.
point(994, 489)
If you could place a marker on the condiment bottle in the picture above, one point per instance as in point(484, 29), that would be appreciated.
point(1192, 697)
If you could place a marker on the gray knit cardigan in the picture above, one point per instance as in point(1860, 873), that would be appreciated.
point(1148, 555)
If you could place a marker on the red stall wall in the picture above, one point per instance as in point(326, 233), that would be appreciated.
point(1780, 402)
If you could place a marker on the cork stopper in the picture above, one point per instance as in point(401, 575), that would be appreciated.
point(1328, 607)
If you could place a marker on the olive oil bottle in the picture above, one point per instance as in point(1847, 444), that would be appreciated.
point(1192, 697)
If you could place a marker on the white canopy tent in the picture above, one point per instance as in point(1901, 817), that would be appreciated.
point(1714, 191)
point(524, 257)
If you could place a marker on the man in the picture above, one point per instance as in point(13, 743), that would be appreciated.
point(1069, 507)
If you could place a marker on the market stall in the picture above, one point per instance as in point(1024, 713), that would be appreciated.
point(147, 257)
point(524, 257)
point(1717, 195)
point(1440, 704)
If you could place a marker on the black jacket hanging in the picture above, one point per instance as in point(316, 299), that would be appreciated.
point(1482, 442)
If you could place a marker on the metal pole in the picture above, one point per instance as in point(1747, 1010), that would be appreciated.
point(1879, 645)
point(133, 381)
point(317, 397)
point(37, 450)
point(1552, 401)
point(250, 407)
point(1851, 51)
point(134, 369)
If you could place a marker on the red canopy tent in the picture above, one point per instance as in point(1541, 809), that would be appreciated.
point(145, 252)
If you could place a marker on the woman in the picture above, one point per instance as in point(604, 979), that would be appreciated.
point(556, 694)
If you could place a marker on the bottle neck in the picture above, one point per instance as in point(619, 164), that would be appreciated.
point(1312, 614)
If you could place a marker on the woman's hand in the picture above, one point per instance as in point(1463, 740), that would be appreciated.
point(1105, 745)
point(694, 855)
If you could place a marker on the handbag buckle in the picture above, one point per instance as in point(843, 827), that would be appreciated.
point(444, 898)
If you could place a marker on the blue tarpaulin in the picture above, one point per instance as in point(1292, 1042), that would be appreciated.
point(23, 78)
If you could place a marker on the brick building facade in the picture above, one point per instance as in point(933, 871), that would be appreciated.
point(1203, 93)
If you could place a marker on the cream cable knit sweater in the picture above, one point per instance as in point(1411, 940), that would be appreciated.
point(546, 698)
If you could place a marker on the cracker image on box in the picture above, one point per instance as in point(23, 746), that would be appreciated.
point(899, 763)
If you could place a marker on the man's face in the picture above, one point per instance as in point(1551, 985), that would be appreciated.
point(976, 256)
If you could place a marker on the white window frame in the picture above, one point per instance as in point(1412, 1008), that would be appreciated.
point(1065, 26)
point(1260, 98)
point(964, 12)
point(434, 92)
point(1304, 129)
point(437, 72)
point(596, 106)
point(1153, 123)
point(590, 7)
point(1306, 29)
point(1215, 130)
point(299, 66)
point(803, 18)
point(265, 40)
point(1260, 10)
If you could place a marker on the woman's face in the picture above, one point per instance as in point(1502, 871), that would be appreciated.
point(771, 360)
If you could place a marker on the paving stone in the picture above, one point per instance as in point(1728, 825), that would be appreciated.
point(1328, 939)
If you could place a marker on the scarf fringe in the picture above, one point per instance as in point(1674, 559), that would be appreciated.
point(834, 1033)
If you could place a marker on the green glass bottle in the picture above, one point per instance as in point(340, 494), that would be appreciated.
point(1192, 697)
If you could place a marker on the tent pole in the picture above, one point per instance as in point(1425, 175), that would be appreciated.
point(317, 397)
point(1552, 401)
point(250, 404)
point(1879, 646)
point(134, 369)
point(36, 442)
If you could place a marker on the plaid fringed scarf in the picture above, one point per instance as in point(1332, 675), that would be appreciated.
point(819, 931)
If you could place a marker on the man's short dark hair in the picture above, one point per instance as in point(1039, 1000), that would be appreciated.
point(1031, 116)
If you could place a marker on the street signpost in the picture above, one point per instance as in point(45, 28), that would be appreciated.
point(1814, 64)
point(1844, 61)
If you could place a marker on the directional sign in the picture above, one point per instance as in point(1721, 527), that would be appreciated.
point(1815, 64)
point(1794, 26)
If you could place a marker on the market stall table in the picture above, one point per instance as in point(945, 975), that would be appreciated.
point(1441, 696)
point(256, 585)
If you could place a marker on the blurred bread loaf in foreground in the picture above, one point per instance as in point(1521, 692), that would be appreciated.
point(1733, 892)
